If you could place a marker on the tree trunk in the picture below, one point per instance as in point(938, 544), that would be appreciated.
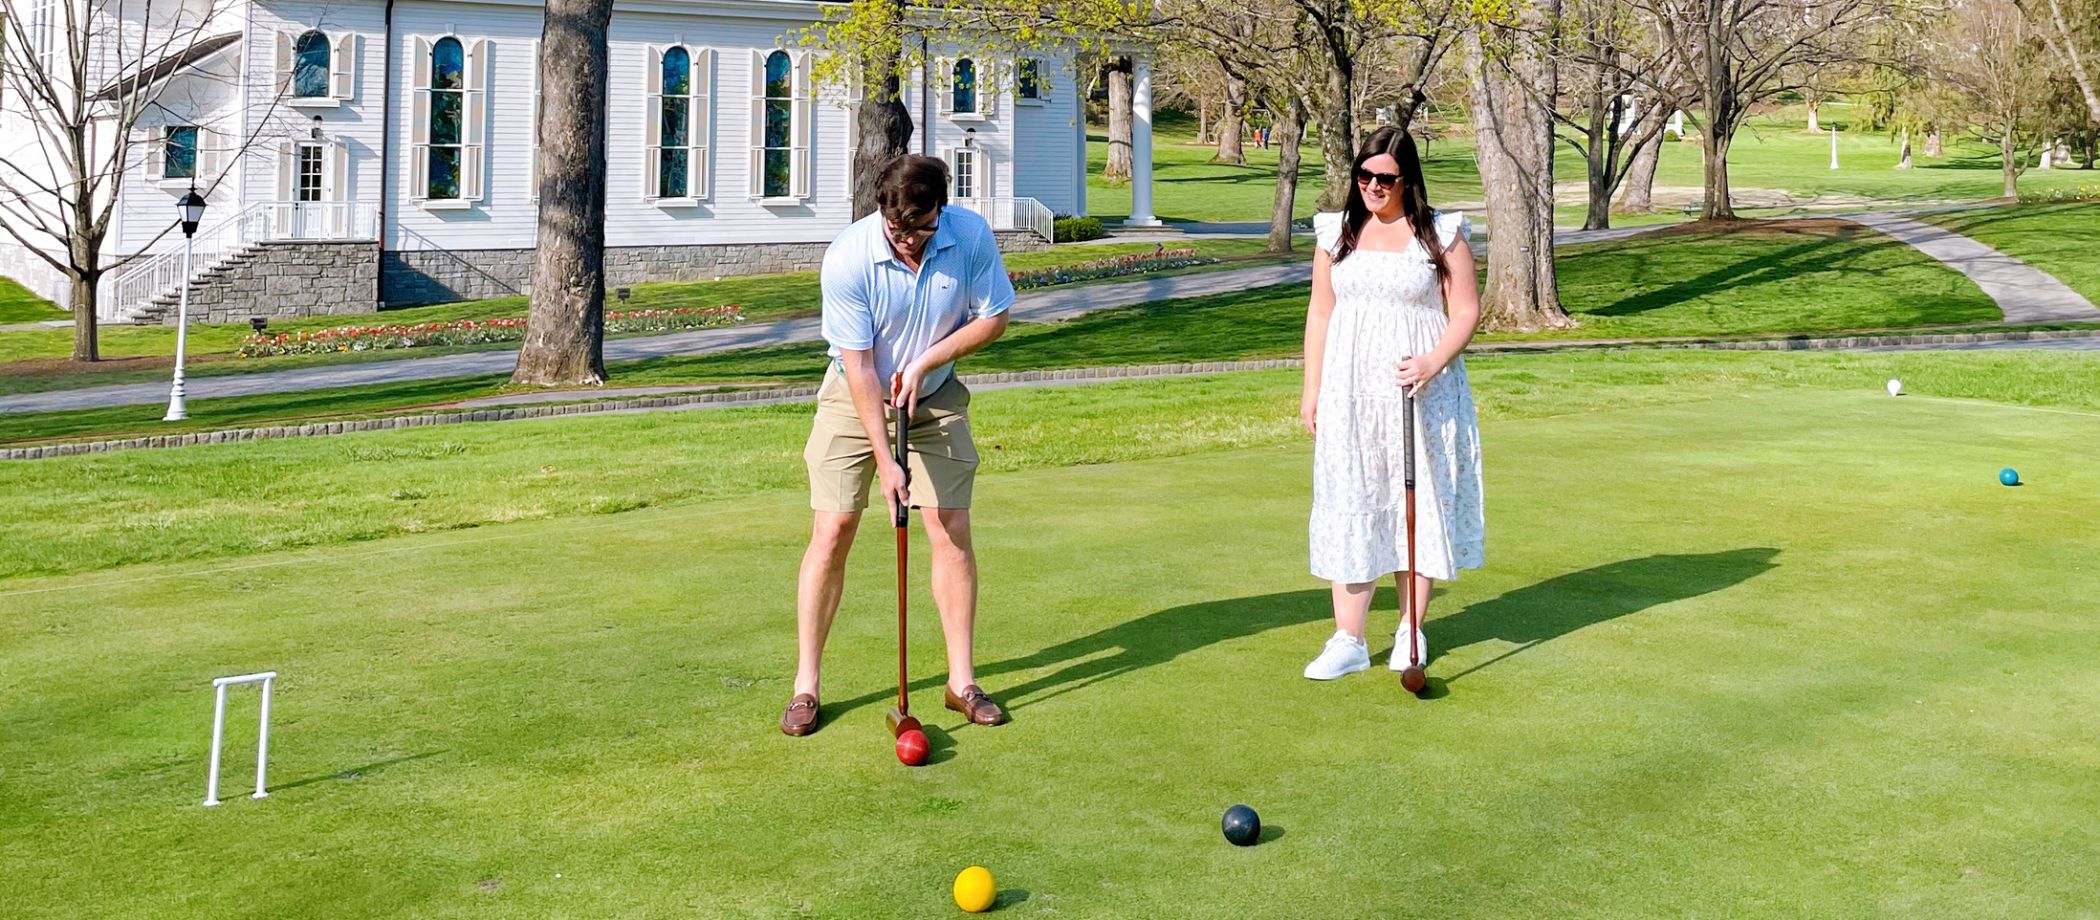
point(1120, 118)
point(1289, 134)
point(1600, 152)
point(1815, 125)
point(885, 131)
point(86, 343)
point(2009, 164)
point(1513, 131)
point(1636, 195)
point(1202, 122)
point(1232, 123)
point(1716, 205)
point(1338, 132)
point(1904, 163)
point(565, 324)
point(1933, 145)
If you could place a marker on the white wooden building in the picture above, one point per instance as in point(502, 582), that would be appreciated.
point(360, 153)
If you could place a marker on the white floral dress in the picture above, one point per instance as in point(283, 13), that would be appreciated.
point(1388, 305)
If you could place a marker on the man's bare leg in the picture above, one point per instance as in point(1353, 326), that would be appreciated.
point(954, 588)
point(817, 591)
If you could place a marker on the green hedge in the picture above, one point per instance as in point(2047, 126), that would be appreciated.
point(1079, 229)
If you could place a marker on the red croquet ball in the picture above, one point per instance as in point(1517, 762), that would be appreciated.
point(911, 748)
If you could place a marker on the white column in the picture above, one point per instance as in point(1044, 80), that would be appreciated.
point(1141, 145)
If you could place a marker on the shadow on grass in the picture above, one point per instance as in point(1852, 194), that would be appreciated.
point(354, 773)
point(1558, 606)
point(1527, 616)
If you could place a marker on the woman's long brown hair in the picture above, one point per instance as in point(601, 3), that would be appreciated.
point(1414, 197)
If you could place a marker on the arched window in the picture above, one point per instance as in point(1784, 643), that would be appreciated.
point(673, 166)
point(448, 68)
point(310, 66)
point(965, 101)
point(780, 125)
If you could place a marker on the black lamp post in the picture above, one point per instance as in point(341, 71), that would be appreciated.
point(191, 209)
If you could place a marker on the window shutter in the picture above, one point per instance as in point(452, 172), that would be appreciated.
point(533, 170)
point(284, 62)
point(342, 71)
point(207, 155)
point(156, 160)
point(337, 183)
point(949, 156)
point(287, 170)
point(652, 124)
point(419, 125)
point(1042, 79)
point(475, 115)
point(758, 123)
point(699, 172)
point(944, 84)
point(804, 129)
point(988, 92)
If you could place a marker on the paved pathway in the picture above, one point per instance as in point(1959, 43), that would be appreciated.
point(2024, 293)
point(1047, 305)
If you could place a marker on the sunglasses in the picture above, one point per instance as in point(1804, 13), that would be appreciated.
point(1384, 180)
point(912, 233)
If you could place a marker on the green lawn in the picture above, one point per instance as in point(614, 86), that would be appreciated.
point(17, 305)
point(2061, 239)
point(1790, 279)
point(1773, 152)
point(764, 297)
point(1717, 665)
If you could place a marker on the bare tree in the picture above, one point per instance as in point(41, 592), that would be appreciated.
point(93, 93)
point(1515, 79)
point(565, 325)
point(1620, 88)
point(1120, 117)
point(1985, 52)
point(1739, 53)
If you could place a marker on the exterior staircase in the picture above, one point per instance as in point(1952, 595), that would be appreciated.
point(161, 308)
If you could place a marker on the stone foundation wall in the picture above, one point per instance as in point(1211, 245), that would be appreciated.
point(280, 280)
point(439, 276)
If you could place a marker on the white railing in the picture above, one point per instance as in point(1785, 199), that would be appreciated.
point(161, 272)
point(1013, 214)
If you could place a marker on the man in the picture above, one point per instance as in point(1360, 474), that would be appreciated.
point(907, 290)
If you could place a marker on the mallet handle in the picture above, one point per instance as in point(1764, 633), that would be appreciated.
point(1407, 442)
point(902, 519)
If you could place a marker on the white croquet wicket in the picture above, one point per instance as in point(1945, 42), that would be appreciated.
point(218, 732)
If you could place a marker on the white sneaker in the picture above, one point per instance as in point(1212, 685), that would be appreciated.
point(1399, 660)
point(1343, 654)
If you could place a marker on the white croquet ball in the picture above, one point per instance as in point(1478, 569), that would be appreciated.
point(1895, 387)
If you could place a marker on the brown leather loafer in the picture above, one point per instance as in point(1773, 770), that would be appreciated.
point(976, 705)
point(801, 715)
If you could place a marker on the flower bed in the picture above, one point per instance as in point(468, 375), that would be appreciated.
point(1112, 267)
point(473, 332)
point(2062, 195)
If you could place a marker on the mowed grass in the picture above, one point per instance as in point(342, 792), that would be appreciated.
point(1719, 664)
point(1774, 151)
point(2061, 239)
point(18, 305)
point(763, 297)
point(93, 512)
point(1793, 277)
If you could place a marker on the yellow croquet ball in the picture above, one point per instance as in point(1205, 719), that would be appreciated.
point(974, 891)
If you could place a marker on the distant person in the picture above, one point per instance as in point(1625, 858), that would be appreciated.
point(1394, 302)
point(906, 291)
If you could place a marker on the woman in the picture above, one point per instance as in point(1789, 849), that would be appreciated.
point(1394, 302)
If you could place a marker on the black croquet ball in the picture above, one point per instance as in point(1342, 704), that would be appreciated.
point(1242, 826)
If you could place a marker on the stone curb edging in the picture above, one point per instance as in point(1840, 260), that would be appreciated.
point(689, 400)
point(790, 394)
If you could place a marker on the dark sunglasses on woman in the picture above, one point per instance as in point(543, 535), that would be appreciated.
point(1384, 180)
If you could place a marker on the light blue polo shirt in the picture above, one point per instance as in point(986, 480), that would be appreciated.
point(873, 301)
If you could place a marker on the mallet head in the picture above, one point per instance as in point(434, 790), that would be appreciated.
point(900, 721)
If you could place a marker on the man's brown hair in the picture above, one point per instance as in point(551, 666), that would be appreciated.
point(911, 186)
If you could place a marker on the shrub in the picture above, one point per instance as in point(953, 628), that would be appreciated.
point(472, 332)
point(1078, 229)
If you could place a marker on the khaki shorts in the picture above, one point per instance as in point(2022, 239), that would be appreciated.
point(941, 458)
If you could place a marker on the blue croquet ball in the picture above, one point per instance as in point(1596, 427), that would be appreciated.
point(1242, 826)
point(2009, 476)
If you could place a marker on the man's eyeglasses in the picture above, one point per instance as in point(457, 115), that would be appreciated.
point(903, 234)
point(1384, 180)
